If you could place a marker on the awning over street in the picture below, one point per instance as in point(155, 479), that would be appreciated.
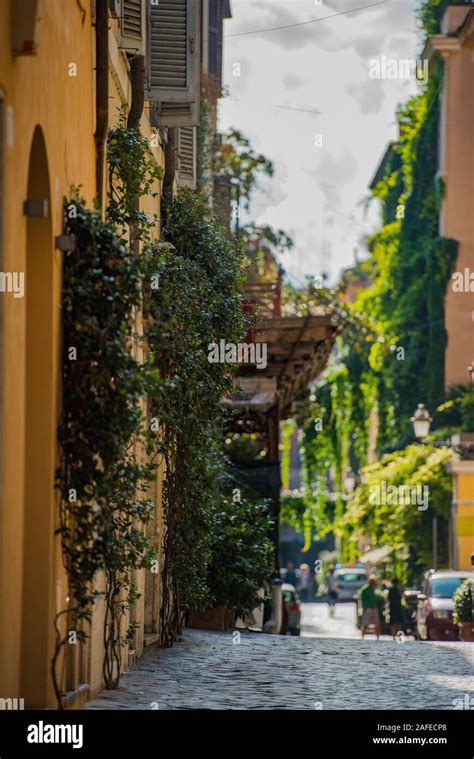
point(298, 348)
point(377, 555)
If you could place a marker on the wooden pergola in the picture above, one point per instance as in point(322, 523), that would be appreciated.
point(298, 348)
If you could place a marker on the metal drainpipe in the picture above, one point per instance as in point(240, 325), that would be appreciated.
point(137, 79)
point(170, 171)
point(102, 92)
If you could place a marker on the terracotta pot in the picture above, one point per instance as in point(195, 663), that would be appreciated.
point(230, 618)
point(218, 617)
point(466, 631)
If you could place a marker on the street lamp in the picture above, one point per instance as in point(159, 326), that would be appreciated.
point(470, 369)
point(421, 421)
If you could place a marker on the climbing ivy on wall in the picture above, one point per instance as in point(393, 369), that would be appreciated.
point(388, 369)
point(139, 315)
point(197, 302)
point(430, 13)
point(384, 512)
point(410, 266)
point(102, 483)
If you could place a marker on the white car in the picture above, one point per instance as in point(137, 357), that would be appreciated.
point(350, 580)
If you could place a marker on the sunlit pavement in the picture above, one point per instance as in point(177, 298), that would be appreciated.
point(316, 622)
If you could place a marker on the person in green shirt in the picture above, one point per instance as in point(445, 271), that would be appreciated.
point(368, 598)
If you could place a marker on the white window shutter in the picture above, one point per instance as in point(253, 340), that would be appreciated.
point(173, 61)
point(133, 26)
point(187, 157)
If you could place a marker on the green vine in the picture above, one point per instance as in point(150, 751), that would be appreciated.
point(106, 462)
point(382, 514)
point(394, 328)
point(102, 485)
point(196, 303)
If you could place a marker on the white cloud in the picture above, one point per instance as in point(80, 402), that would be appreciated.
point(368, 95)
point(319, 67)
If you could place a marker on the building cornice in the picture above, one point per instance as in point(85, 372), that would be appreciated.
point(441, 44)
point(461, 467)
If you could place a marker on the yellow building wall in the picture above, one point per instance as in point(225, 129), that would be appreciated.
point(457, 219)
point(456, 167)
point(41, 101)
point(465, 518)
point(37, 92)
point(120, 94)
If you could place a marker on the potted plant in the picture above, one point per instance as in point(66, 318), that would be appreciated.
point(462, 615)
point(241, 563)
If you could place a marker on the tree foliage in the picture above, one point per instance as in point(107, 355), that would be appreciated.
point(391, 355)
point(389, 520)
point(236, 158)
point(196, 302)
point(242, 554)
point(102, 483)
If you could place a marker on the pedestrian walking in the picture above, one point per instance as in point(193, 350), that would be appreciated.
point(368, 598)
point(332, 589)
point(395, 607)
point(290, 576)
point(304, 582)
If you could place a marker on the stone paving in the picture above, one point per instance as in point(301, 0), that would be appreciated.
point(316, 622)
point(211, 670)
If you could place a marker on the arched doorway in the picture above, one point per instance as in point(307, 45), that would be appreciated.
point(40, 434)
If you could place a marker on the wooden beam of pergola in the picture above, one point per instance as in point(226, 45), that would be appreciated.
point(298, 348)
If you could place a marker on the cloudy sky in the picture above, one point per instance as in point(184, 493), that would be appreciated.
point(310, 79)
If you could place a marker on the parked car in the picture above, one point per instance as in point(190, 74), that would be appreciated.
point(291, 611)
point(434, 615)
point(350, 580)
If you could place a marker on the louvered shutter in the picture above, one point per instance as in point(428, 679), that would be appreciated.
point(133, 26)
point(173, 61)
point(187, 157)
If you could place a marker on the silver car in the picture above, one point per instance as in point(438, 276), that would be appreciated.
point(349, 581)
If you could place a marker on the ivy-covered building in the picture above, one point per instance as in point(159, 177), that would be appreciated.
point(410, 340)
point(454, 46)
point(444, 171)
point(423, 258)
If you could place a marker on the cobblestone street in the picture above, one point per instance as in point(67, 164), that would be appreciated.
point(316, 622)
point(210, 670)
